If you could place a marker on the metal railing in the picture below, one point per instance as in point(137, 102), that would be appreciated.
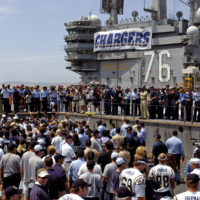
point(179, 112)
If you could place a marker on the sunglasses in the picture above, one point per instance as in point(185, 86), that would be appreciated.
point(46, 177)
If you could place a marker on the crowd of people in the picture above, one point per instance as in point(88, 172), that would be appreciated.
point(42, 158)
point(152, 103)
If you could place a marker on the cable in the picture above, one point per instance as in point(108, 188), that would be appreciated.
point(187, 4)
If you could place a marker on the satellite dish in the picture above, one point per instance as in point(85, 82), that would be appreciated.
point(179, 14)
point(134, 15)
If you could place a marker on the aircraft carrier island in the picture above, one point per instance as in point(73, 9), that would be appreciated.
point(141, 51)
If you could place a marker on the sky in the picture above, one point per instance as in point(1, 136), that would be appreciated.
point(32, 35)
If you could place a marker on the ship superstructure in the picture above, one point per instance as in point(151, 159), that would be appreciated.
point(122, 54)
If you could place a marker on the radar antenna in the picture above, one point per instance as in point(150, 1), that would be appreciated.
point(179, 14)
point(134, 15)
point(112, 7)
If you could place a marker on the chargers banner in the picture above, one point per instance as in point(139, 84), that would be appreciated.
point(134, 38)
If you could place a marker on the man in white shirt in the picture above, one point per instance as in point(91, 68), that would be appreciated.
point(95, 180)
point(192, 188)
point(95, 144)
point(78, 191)
point(68, 152)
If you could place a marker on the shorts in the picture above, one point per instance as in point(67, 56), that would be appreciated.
point(13, 180)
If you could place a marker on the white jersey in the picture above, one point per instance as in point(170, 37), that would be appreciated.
point(71, 197)
point(162, 174)
point(197, 172)
point(134, 180)
point(188, 196)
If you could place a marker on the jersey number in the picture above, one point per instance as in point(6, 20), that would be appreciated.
point(164, 180)
point(162, 66)
point(127, 183)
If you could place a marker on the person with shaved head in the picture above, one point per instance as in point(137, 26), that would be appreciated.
point(164, 175)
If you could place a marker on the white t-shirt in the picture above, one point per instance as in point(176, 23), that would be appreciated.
point(68, 152)
point(71, 197)
point(188, 196)
point(162, 174)
point(56, 143)
point(83, 169)
point(1, 153)
point(134, 180)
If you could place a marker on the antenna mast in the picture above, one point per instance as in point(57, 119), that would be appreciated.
point(112, 7)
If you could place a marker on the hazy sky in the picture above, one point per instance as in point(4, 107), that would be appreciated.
point(32, 35)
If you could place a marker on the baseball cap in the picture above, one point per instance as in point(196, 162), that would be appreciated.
point(123, 192)
point(114, 155)
point(41, 141)
point(42, 173)
point(193, 177)
point(157, 136)
point(68, 137)
point(195, 160)
point(80, 183)
point(10, 191)
point(120, 161)
point(38, 147)
point(3, 115)
point(15, 117)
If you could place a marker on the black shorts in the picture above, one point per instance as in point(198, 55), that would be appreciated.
point(164, 194)
point(13, 180)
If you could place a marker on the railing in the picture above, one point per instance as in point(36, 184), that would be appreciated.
point(179, 112)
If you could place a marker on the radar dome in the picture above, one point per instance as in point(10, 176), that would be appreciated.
point(95, 20)
point(198, 15)
point(192, 31)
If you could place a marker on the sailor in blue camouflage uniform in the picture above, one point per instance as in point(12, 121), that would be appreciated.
point(197, 105)
point(182, 101)
point(188, 105)
point(160, 102)
point(44, 98)
point(61, 97)
point(53, 98)
point(107, 100)
point(114, 96)
point(174, 96)
point(5, 97)
point(167, 103)
point(152, 108)
point(135, 103)
point(127, 99)
point(36, 95)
